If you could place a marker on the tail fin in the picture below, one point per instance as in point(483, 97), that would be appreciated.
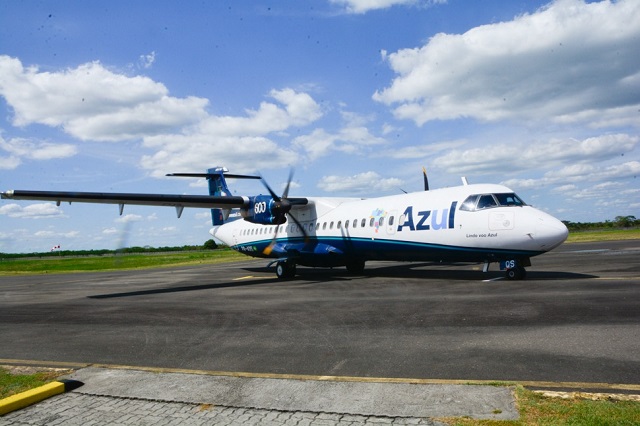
point(218, 186)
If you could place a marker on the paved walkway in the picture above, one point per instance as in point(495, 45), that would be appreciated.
point(131, 397)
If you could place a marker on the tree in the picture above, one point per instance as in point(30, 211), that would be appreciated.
point(625, 221)
point(210, 245)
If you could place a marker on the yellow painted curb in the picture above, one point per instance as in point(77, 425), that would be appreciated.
point(24, 399)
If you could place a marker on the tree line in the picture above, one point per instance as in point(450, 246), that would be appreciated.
point(620, 222)
point(208, 245)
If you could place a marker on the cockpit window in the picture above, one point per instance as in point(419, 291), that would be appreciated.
point(509, 199)
point(486, 201)
point(470, 203)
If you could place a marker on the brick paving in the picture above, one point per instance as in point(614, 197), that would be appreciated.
point(90, 410)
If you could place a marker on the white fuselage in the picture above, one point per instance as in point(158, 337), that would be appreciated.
point(429, 225)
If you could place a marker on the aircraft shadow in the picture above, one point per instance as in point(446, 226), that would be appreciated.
point(426, 270)
point(320, 275)
point(180, 289)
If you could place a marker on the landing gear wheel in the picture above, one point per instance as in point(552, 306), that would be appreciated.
point(355, 267)
point(285, 270)
point(517, 273)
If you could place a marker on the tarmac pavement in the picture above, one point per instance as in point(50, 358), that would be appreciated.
point(117, 396)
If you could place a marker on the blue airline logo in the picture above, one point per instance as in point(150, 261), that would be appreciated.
point(429, 219)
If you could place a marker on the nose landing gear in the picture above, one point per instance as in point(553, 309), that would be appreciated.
point(514, 269)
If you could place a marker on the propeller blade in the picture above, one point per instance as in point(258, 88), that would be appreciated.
point(266, 185)
point(285, 194)
point(426, 181)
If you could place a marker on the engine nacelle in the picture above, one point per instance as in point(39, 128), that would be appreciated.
point(263, 209)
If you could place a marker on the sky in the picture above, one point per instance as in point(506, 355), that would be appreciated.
point(355, 96)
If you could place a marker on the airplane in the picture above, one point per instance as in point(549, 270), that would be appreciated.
point(479, 223)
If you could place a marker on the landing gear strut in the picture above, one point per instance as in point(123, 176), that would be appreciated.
point(285, 270)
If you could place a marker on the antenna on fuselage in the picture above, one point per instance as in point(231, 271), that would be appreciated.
point(464, 180)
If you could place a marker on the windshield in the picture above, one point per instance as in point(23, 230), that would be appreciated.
point(486, 201)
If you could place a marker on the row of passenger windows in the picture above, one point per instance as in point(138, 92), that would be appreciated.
point(291, 228)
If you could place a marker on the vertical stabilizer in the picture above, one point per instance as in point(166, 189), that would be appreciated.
point(218, 187)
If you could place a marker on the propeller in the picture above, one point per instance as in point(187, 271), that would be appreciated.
point(426, 181)
point(282, 206)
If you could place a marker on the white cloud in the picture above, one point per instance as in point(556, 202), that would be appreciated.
point(32, 211)
point(54, 234)
point(146, 61)
point(353, 138)
point(363, 6)
point(528, 156)
point(91, 102)
point(570, 61)
point(109, 231)
point(366, 182)
point(241, 141)
point(129, 218)
point(20, 148)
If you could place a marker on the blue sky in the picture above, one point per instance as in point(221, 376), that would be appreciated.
point(355, 95)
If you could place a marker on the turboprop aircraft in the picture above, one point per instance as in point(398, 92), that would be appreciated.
point(468, 223)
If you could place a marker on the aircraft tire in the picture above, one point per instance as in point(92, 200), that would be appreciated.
point(285, 270)
point(517, 273)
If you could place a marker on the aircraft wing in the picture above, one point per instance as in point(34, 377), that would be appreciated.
point(198, 201)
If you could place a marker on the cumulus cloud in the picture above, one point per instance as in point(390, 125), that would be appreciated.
point(353, 138)
point(527, 156)
point(363, 6)
point(361, 183)
point(33, 211)
point(91, 102)
point(20, 148)
point(242, 141)
point(570, 61)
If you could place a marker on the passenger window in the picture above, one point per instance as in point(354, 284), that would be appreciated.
point(486, 201)
point(324, 226)
point(346, 224)
point(381, 221)
point(339, 224)
point(364, 223)
point(391, 221)
point(331, 225)
point(355, 223)
point(371, 222)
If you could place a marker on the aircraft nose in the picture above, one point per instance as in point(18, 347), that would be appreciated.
point(549, 232)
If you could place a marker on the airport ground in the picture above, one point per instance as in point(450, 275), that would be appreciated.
point(574, 322)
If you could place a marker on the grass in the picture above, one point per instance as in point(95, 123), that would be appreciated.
point(603, 235)
point(536, 409)
point(54, 265)
point(11, 384)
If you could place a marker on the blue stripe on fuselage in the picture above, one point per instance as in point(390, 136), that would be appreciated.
point(379, 249)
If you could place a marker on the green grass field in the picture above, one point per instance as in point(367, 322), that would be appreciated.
point(54, 265)
point(603, 235)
